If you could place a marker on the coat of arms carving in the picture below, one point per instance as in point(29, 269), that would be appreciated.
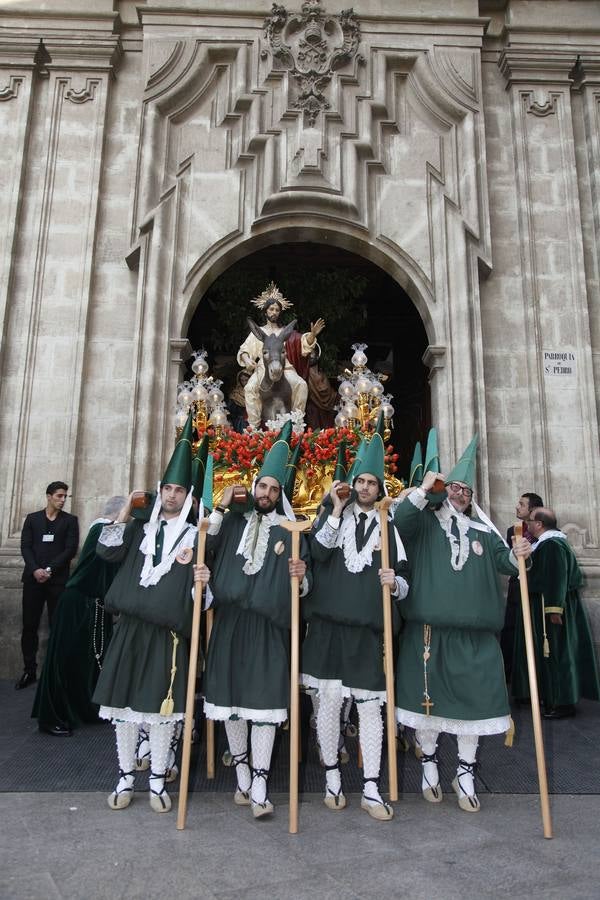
point(312, 45)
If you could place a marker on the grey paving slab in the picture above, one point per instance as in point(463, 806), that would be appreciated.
point(27, 886)
point(73, 846)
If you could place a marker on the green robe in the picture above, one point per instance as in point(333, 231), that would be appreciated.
point(465, 610)
point(571, 670)
point(137, 667)
point(248, 662)
point(70, 671)
point(344, 640)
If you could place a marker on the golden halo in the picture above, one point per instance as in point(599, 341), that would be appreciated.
point(269, 295)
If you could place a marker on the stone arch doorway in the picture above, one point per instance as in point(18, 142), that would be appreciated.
point(359, 301)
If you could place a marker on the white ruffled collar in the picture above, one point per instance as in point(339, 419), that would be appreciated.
point(150, 573)
point(254, 540)
point(356, 560)
point(460, 547)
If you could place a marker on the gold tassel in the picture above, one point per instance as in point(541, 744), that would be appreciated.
point(510, 734)
point(546, 644)
point(168, 704)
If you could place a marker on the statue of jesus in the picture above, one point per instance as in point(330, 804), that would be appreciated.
point(297, 351)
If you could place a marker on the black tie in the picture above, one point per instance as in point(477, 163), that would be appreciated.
point(360, 531)
point(259, 517)
point(454, 528)
point(158, 546)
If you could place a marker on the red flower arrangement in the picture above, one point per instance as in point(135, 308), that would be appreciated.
point(245, 451)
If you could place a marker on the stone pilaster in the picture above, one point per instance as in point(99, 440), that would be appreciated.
point(562, 409)
point(53, 230)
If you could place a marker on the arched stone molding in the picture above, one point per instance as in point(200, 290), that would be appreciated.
point(393, 170)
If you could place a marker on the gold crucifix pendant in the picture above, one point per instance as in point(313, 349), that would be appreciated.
point(427, 703)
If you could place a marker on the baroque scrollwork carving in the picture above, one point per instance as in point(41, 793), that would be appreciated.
point(312, 45)
point(83, 95)
point(540, 105)
point(11, 91)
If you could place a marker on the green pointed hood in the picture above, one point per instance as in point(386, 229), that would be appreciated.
point(276, 460)
point(373, 460)
point(199, 467)
point(416, 467)
point(179, 469)
point(207, 487)
point(432, 457)
point(292, 468)
point(352, 471)
point(464, 470)
point(340, 463)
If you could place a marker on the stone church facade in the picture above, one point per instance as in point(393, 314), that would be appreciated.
point(146, 147)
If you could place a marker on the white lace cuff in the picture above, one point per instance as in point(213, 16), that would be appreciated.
point(112, 535)
point(418, 498)
point(215, 521)
point(333, 521)
point(401, 588)
point(327, 535)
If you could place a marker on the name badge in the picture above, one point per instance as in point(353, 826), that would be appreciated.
point(47, 538)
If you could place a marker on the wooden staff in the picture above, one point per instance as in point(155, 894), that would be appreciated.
point(191, 684)
point(296, 528)
point(533, 692)
point(388, 652)
point(210, 723)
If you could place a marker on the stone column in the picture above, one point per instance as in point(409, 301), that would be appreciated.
point(50, 213)
point(586, 106)
point(562, 409)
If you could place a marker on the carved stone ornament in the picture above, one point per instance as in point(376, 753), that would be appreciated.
point(540, 104)
point(84, 94)
point(11, 91)
point(312, 45)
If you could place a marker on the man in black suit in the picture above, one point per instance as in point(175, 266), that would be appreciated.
point(525, 504)
point(48, 544)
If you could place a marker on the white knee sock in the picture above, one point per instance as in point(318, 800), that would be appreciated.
point(427, 741)
point(370, 730)
point(160, 741)
point(126, 734)
point(174, 745)
point(142, 753)
point(314, 699)
point(467, 752)
point(328, 735)
point(237, 738)
point(262, 738)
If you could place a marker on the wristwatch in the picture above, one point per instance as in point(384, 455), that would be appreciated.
point(49, 570)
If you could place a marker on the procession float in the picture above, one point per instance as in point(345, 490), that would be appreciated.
point(275, 378)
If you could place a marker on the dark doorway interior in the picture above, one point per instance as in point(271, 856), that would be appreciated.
point(359, 302)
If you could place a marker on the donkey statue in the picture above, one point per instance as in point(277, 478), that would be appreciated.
point(274, 388)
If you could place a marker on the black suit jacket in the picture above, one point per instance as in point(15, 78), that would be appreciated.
point(58, 553)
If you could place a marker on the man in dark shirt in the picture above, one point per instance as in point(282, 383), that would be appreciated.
point(48, 544)
point(526, 503)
